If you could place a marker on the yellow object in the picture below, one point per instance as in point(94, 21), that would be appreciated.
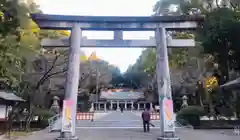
point(68, 114)
point(83, 58)
point(34, 27)
point(64, 32)
point(2, 15)
point(168, 116)
point(210, 82)
point(93, 57)
point(117, 90)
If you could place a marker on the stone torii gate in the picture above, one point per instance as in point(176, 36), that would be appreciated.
point(159, 24)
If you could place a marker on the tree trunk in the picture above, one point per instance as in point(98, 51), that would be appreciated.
point(29, 118)
point(201, 101)
point(209, 102)
point(10, 118)
point(224, 66)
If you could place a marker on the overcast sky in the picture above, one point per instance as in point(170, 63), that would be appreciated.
point(118, 56)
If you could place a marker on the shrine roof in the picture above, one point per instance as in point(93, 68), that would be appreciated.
point(10, 96)
point(121, 95)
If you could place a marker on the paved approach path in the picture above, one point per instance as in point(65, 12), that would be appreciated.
point(125, 120)
point(113, 119)
point(137, 134)
point(116, 119)
point(117, 115)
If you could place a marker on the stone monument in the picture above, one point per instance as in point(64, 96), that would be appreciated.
point(184, 101)
point(55, 106)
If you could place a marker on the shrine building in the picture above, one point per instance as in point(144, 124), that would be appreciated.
point(114, 99)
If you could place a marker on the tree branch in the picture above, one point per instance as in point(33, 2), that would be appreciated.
point(210, 6)
point(232, 4)
point(82, 80)
point(59, 64)
point(88, 76)
point(53, 74)
point(217, 4)
point(64, 70)
point(47, 72)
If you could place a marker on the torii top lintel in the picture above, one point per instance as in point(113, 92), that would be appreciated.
point(46, 21)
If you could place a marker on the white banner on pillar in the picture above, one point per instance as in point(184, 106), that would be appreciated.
point(168, 115)
point(67, 122)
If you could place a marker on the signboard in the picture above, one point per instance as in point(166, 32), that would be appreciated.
point(168, 115)
point(67, 122)
point(3, 112)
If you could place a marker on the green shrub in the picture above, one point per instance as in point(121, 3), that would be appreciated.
point(44, 114)
point(190, 115)
point(182, 121)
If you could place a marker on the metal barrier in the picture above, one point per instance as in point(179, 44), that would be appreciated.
point(236, 131)
point(55, 121)
point(52, 121)
point(85, 116)
point(155, 116)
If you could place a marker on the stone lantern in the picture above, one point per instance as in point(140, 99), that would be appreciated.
point(55, 106)
point(184, 101)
